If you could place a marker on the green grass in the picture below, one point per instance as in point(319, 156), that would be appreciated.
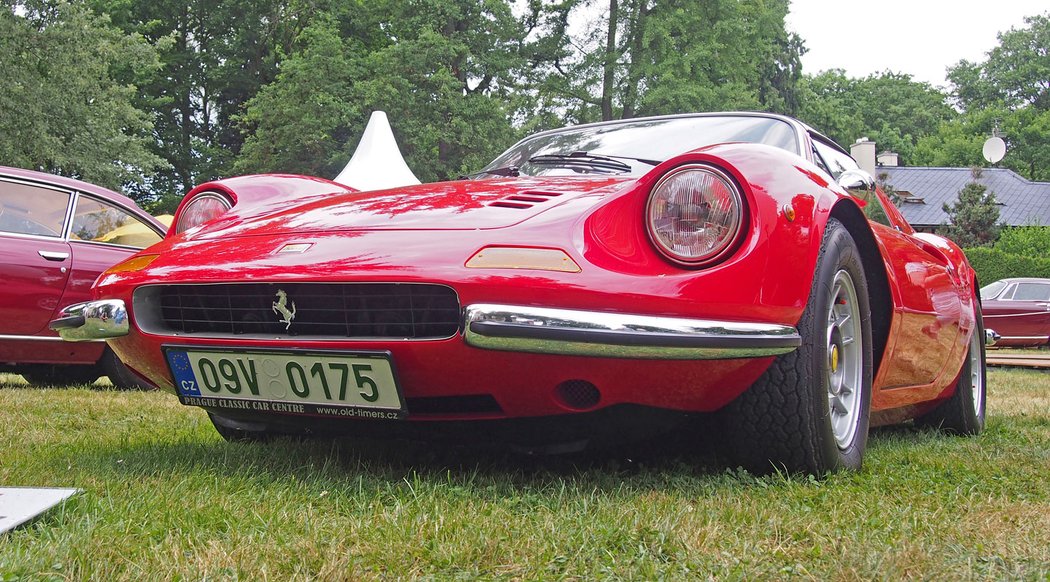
point(164, 498)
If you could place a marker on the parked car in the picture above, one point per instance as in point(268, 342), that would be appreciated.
point(56, 236)
point(1018, 310)
point(589, 283)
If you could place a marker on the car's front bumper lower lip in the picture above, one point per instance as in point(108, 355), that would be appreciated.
point(616, 335)
point(538, 330)
point(91, 321)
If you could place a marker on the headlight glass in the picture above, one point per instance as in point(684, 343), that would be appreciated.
point(694, 214)
point(204, 207)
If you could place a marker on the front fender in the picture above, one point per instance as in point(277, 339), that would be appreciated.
point(789, 202)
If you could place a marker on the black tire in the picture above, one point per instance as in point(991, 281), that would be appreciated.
point(119, 374)
point(787, 421)
point(236, 431)
point(964, 412)
point(46, 375)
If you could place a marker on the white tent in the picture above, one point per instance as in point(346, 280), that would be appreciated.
point(377, 162)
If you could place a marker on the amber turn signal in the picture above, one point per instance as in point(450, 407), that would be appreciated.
point(131, 265)
point(523, 258)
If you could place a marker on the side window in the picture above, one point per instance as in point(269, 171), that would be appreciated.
point(98, 221)
point(835, 162)
point(1032, 292)
point(29, 209)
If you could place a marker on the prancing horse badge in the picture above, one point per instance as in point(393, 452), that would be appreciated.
point(280, 307)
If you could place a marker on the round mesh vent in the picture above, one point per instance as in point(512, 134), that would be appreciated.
point(578, 394)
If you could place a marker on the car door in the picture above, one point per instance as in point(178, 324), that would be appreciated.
point(1021, 314)
point(927, 304)
point(101, 235)
point(35, 258)
point(930, 306)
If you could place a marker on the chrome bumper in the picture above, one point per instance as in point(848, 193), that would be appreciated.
point(615, 335)
point(93, 320)
point(991, 338)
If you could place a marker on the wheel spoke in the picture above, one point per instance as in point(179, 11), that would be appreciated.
point(838, 407)
point(845, 375)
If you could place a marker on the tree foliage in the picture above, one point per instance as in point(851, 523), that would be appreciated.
point(891, 109)
point(159, 95)
point(444, 71)
point(215, 55)
point(65, 110)
point(1031, 241)
point(1013, 85)
point(974, 216)
point(640, 57)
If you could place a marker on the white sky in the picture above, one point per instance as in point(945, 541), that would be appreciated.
point(917, 37)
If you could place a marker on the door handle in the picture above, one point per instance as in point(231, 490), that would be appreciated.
point(53, 256)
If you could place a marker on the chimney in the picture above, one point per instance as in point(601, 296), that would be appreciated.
point(888, 159)
point(864, 152)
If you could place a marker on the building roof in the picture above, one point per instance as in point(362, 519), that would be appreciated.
point(1022, 202)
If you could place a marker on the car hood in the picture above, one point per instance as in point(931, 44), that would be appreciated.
point(458, 205)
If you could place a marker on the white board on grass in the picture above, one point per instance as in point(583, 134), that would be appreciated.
point(21, 504)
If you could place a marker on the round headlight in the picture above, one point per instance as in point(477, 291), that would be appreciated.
point(695, 215)
point(204, 207)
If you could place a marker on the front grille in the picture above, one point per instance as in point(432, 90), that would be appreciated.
point(333, 310)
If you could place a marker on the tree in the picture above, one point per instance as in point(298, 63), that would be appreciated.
point(889, 108)
point(64, 110)
point(1016, 73)
point(1014, 82)
point(1030, 241)
point(301, 122)
point(444, 70)
point(974, 216)
point(642, 57)
point(215, 55)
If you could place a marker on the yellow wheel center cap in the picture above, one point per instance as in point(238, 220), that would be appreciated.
point(834, 359)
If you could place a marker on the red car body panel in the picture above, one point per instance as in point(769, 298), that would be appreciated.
point(427, 233)
point(34, 287)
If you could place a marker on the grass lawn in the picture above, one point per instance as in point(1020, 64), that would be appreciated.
point(165, 498)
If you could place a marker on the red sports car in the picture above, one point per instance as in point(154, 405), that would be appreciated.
point(1018, 309)
point(590, 283)
point(56, 236)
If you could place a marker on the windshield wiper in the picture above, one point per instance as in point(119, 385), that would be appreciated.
point(512, 171)
point(593, 160)
point(580, 160)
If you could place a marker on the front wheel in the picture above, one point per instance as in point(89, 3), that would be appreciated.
point(964, 412)
point(809, 412)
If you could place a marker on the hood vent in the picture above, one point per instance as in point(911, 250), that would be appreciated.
point(525, 200)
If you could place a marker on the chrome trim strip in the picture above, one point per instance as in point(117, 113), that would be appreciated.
point(616, 335)
point(93, 320)
point(33, 338)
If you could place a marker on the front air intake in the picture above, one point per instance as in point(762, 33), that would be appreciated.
point(305, 310)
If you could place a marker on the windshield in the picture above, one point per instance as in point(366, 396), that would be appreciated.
point(638, 144)
point(992, 290)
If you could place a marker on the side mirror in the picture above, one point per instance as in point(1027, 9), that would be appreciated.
point(854, 180)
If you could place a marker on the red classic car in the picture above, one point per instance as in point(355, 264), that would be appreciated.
point(56, 236)
point(589, 283)
point(1018, 310)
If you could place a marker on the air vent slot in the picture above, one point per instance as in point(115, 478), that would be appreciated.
point(525, 200)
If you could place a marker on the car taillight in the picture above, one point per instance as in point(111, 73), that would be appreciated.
point(204, 207)
point(695, 215)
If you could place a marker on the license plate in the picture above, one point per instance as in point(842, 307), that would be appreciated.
point(360, 384)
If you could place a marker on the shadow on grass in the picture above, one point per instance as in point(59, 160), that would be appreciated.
point(671, 461)
point(689, 464)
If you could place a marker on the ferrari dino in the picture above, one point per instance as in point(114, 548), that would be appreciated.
point(591, 283)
